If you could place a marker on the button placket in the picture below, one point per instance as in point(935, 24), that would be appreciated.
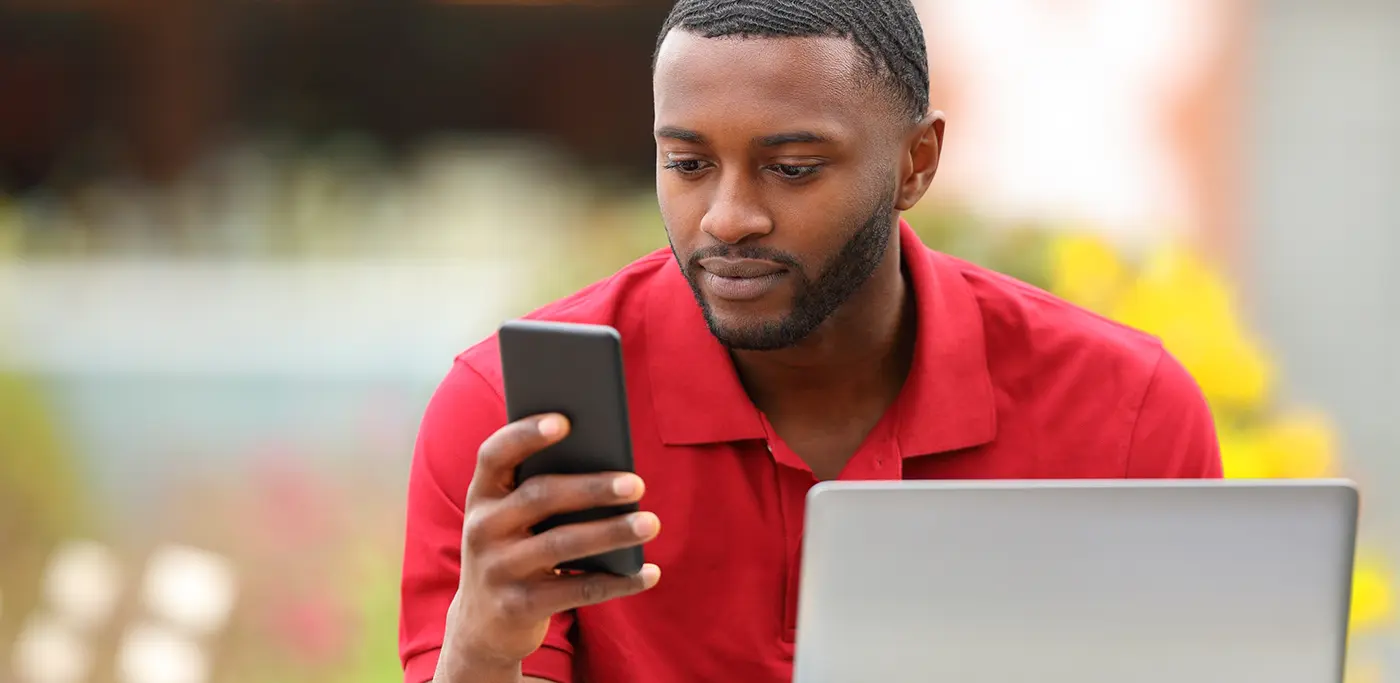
point(792, 486)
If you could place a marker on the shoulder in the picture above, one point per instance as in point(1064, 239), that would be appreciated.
point(1043, 349)
point(1034, 330)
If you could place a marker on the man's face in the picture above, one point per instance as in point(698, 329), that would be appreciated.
point(777, 171)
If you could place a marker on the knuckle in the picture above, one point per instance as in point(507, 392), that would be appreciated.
point(495, 571)
point(533, 492)
point(505, 441)
point(592, 591)
point(515, 601)
point(492, 447)
point(559, 545)
point(487, 455)
point(475, 529)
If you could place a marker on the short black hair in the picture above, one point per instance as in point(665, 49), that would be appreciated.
point(886, 32)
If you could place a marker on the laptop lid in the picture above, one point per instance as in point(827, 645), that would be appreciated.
point(1057, 581)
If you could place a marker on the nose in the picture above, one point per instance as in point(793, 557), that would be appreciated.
point(736, 212)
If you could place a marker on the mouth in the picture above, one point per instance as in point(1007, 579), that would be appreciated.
point(740, 279)
point(740, 267)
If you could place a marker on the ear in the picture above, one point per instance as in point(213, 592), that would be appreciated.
point(924, 146)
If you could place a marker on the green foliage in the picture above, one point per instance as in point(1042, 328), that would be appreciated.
point(1016, 250)
point(373, 653)
point(42, 499)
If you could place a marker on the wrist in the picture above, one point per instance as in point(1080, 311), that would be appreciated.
point(463, 662)
point(460, 665)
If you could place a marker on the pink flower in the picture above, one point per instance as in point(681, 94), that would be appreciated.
point(315, 630)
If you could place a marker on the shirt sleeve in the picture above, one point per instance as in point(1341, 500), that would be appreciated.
point(462, 413)
point(1174, 436)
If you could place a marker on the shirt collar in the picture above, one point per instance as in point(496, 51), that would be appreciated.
point(946, 404)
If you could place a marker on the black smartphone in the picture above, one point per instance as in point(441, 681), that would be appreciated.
point(575, 370)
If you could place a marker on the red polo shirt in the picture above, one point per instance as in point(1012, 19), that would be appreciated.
point(1007, 382)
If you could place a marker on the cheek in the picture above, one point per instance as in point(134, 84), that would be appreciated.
point(681, 211)
point(815, 226)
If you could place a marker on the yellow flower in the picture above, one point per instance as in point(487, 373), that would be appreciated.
point(1300, 445)
point(1178, 299)
point(1371, 597)
point(1086, 270)
point(1241, 455)
point(1232, 371)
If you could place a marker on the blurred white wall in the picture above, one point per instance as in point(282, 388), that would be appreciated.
point(340, 319)
point(1325, 238)
point(167, 369)
point(1065, 109)
point(1324, 241)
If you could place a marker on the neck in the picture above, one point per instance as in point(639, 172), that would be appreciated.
point(861, 353)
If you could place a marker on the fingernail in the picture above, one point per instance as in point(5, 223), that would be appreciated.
point(551, 426)
point(650, 575)
point(645, 524)
point(627, 486)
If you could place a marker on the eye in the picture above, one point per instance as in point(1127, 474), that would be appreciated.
point(795, 172)
point(685, 166)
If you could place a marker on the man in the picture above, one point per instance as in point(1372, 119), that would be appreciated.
point(796, 331)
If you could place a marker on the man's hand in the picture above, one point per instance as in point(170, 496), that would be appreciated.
point(509, 589)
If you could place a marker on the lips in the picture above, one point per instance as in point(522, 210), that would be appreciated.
point(740, 279)
point(740, 268)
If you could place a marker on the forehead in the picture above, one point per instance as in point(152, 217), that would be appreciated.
point(760, 83)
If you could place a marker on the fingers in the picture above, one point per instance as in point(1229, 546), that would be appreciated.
point(507, 572)
point(546, 495)
point(572, 592)
point(541, 599)
point(509, 446)
point(541, 497)
point(541, 553)
point(487, 523)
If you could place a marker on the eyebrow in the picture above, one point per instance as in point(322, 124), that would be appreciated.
point(790, 138)
point(774, 140)
point(682, 134)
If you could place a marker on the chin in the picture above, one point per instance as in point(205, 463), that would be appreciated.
point(749, 333)
point(755, 312)
point(742, 317)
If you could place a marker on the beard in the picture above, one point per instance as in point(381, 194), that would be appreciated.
point(815, 300)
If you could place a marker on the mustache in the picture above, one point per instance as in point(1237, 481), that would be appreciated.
point(750, 251)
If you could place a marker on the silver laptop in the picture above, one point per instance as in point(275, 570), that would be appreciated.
point(1162, 581)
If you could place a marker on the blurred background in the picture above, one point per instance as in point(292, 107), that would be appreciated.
point(241, 241)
